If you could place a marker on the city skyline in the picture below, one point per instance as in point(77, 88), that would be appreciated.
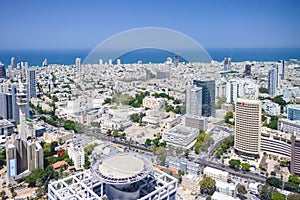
point(214, 24)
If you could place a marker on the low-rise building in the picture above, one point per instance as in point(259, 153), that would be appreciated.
point(253, 188)
point(195, 121)
point(181, 136)
point(153, 103)
point(58, 135)
point(183, 165)
point(219, 195)
point(226, 188)
point(6, 127)
point(216, 174)
point(289, 126)
point(270, 107)
point(191, 182)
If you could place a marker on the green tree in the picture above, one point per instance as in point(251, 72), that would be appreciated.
point(293, 196)
point(14, 194)
point(55, 98)
point(266, 192)
point(107, 100)
point(52, 146)
point(34, 176)
point(208, 197)
point(115, 133)
point(2, 194)
point(234, 163)
point(280, 100)
point(161, 154)
point(2, 158)
point(228, 116)
point(207, 185)
point(263, 90)
point(294, 179)
point(87, 162)
point(241, 189)
point(272, 181)
point(245, 166)
point(207, 142)
point(148, 142)
point(291, 187)
point(277, 196)
point(108, 132)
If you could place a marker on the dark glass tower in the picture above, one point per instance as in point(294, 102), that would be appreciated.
point(208, 96)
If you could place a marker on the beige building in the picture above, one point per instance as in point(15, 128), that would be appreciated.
point(153, 103)
point(247, 137)
point(216, 174)
point(59, 135)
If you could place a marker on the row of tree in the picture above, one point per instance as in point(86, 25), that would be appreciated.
point(203, 141)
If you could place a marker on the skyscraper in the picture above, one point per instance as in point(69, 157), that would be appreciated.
point(194, 101)
point(176, 60)
point(272, 81)
point(22, 101)
point(2, 70)
point(282, 70)
point(31, 81)
point(208, 96)
point(23, 154)
point(118, 61)
point(227, 64)
point(247, 70)
point(100, 62)
point(8, 98)
point(78, 64)
point(247, 137)
point(233, 90)
point(45, 63)
point(13, 62)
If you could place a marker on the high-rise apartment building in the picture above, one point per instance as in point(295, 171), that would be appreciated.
point(194, 100)
point(2, 70)
point(8, 98)
point(13, 62)
point(282, 69)
point(31, 81)
point(247, 70)
point(208, 96)
point(272, 81)
point(78, 64)
point(45, 63)
point(227, 64)
point(247, 137)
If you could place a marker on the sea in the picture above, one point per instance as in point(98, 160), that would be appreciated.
point(67, 57)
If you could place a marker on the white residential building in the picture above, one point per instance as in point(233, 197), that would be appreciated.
point(216, 174)
point(181, 136)
point(77, 155)
point(270, 107)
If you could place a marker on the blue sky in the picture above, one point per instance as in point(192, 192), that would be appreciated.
point(71, 24)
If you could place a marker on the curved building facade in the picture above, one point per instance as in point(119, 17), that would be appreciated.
point(247, 137)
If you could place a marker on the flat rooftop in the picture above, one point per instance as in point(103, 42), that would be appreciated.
point(121, 166)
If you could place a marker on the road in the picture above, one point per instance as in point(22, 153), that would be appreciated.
point(132, 146)
point(249, 175)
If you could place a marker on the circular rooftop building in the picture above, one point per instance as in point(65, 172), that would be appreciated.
point(122, 169)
